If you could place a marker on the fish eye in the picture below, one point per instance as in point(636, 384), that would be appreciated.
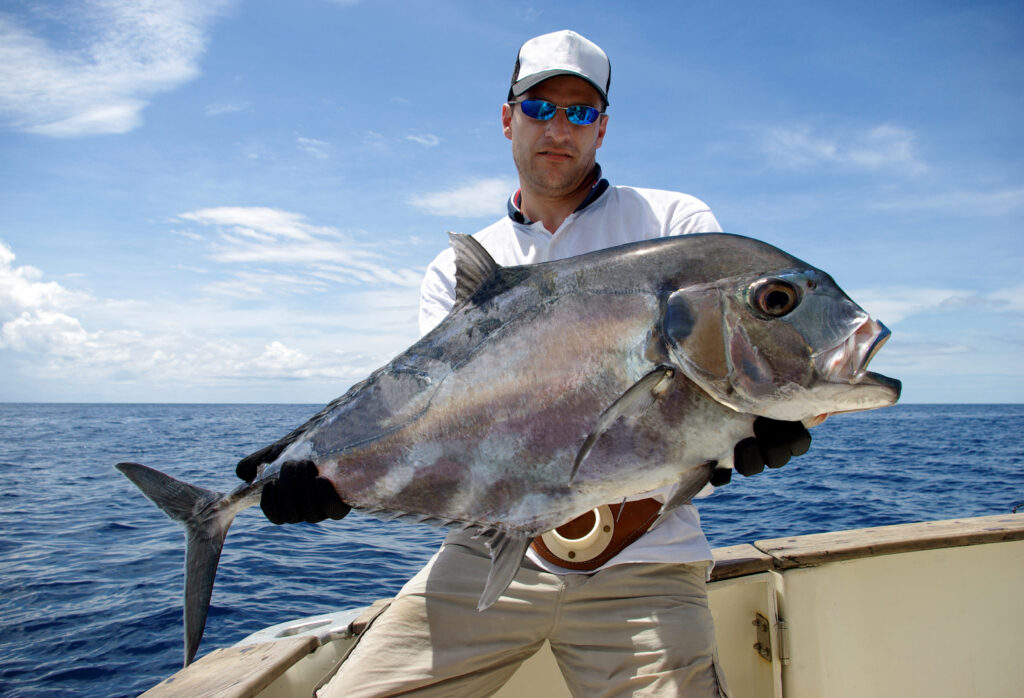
point(774, 297)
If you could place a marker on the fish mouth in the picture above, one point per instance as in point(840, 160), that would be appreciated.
point(847, 362)
point(846, 365)
point(881, 337)
point(892, 384)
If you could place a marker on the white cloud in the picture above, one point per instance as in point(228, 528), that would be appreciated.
point(42, 332)
point(426, 139)
point(35, 314)
point(996, 202)
point(1010, 298)
point(250, 220)
point(254, 284)
point(481, 197)
point(131, 50)
point(372, 139)
point(63, 334)
point(285, 241)
point(225, 108)
point(908, 355)
point(314, 147)
point(882, 147)
point(894, 304)
point(25, 298)
point(891, 305)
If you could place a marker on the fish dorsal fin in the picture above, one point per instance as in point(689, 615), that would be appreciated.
point(638, 398)
point(473, 265)
point(507, 551)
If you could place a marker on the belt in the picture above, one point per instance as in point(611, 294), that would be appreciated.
point(590, 540)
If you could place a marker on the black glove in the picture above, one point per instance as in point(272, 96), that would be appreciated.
point(297, 494)
point(772, 444)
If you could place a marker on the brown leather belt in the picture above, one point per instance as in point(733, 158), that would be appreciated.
point(590, 540)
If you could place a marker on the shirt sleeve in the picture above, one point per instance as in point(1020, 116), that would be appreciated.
point(701, 220)
point(437, 292)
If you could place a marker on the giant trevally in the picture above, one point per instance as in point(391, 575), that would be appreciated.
point(554, 388)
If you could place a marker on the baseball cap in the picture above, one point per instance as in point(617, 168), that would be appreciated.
point(560, 53)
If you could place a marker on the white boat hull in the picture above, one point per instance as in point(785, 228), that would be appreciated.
point(928, 609)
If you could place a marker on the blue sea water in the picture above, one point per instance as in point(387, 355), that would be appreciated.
point(90, 571)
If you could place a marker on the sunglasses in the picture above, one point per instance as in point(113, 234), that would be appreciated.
point(579, 114)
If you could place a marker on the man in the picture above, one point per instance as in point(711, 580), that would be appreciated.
point(624, 616)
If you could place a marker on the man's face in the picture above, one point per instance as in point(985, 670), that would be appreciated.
point(555, 158)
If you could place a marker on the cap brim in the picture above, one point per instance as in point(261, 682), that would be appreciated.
point(526, 83)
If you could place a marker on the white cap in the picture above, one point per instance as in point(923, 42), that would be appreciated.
point(560, 53)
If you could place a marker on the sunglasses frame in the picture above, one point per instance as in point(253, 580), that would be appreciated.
point(555, 108)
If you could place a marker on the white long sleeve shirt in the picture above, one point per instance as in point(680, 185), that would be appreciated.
point(611, 215)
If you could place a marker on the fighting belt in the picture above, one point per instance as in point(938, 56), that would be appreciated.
point(590, 540)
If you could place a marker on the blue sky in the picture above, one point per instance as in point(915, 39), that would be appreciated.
point(234, 201)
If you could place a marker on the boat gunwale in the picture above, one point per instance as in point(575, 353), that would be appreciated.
point(814, 549)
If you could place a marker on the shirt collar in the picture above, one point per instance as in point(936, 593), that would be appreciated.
point(600, 186)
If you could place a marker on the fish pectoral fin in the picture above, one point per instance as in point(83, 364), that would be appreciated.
point(473, 265)
point(507, 551)
point(692, 482)
point(637, 399)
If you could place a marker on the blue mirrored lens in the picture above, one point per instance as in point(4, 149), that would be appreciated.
point(579, 114)
point(538, 109)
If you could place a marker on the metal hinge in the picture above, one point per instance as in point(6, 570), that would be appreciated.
point(763, 646)
point(764, 637)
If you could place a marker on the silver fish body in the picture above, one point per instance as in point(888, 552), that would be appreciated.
point(551, 389)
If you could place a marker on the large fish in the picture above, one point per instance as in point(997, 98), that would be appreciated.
point(554, 388)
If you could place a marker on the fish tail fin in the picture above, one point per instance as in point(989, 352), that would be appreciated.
point(206, 527)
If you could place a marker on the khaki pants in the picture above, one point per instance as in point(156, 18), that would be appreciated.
point(629, 630)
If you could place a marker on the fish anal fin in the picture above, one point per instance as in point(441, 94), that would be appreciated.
point(507, 551)
point(637, 399)
point(473, 265)
point(693, 481)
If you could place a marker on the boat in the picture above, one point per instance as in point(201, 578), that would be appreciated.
point(922, 609)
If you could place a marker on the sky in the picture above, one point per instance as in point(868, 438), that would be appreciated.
point(235, 200)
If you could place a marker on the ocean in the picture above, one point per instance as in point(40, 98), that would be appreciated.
point(91, 571)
